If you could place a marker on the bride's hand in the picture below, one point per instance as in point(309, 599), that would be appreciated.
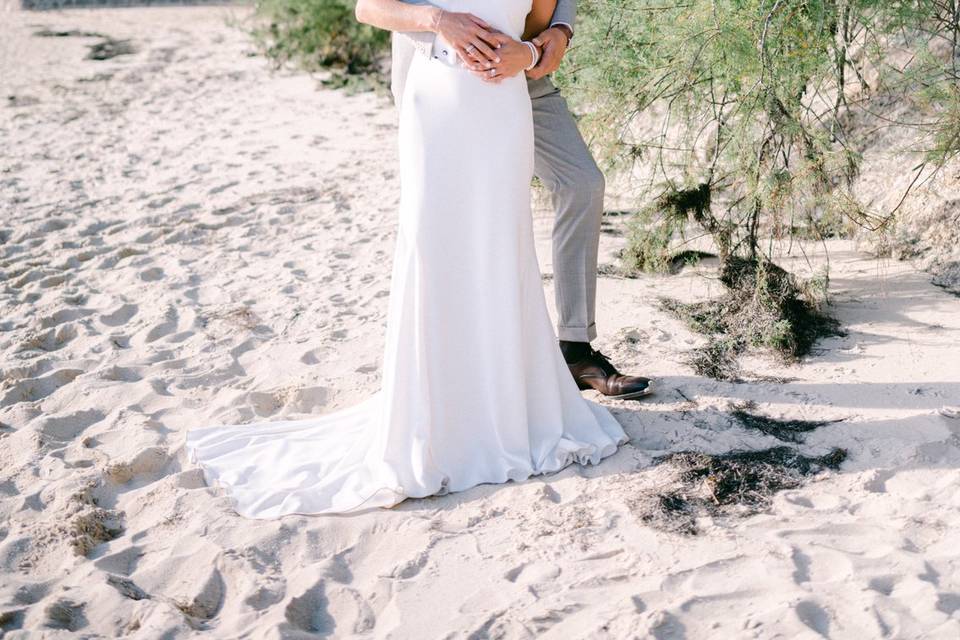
point(473, 39)
point(514, 58)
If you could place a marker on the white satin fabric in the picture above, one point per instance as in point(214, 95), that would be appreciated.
point(474, 387)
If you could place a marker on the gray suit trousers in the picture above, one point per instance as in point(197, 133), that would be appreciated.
point(563, 163)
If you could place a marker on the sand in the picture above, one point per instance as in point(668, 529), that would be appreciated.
point(188, 238)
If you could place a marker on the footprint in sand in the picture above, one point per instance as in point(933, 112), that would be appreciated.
point(883, 584)
point(948, 603)
point(89, 254)
point(309, 399)
point(63, 315)
point(47, 227)
point(264, 404)
point(310, 357)
point(32, 369)
point(65, 614)
point(152, 274)
point(208, 601)
point(814, 616)
point(98, 227)
point(148, 462)
point(411, 568)
point(53, 281)
point(352, 608)
point(26, 277)
point(50, 340)
point(116, 373)
point(31, 593)
point(119, 316)
point(531, 573)
point(309, 611)
point(63, 429)
point(167, 326)
point(123, 562)
point(12, 620)
point(33, 389)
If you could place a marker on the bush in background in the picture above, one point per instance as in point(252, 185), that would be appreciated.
point(322, 35)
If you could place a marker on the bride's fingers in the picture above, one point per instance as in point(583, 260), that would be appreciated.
point(471, 55)
point(485, 75)
point(484, 49)
point(473, 60)
point(488, 38)
point(467, 55)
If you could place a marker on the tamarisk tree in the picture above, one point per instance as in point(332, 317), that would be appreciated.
point(740, 116)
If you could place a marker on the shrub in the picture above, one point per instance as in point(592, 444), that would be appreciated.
point(322, 34)
point(742, 117)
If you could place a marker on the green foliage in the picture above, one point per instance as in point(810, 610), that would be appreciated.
point(750, 99)
point(322, 34)
point(651, 233)
point(649, 243)
point(743, 117)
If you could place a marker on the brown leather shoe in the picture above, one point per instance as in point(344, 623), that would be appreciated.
point(595, 372)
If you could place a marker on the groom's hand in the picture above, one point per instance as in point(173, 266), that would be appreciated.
point(472, 38)
point(553, 43)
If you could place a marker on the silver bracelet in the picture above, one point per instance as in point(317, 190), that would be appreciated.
point(534, 53)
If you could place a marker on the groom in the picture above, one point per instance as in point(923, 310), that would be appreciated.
point(562, 162)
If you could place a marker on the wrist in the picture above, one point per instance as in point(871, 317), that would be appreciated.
point(432, 18)
point(565, 30)
point(534, 54)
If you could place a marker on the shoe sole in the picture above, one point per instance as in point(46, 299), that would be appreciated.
point(632, 396)
point(626, 396)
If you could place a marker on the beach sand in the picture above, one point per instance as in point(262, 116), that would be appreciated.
point(188, 238)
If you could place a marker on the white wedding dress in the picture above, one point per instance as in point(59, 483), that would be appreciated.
point(474, 388)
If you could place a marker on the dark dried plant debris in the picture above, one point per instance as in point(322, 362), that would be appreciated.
point(794, 431)
point(92, 527)
point(67, 33)
point(735, 483)
point(66, 615)
point(765, 307)
point(110, 48)
point(127, 588)
point(11, 619)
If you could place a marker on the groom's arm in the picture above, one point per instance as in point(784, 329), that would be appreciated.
point(555, 39)
point(565, 14)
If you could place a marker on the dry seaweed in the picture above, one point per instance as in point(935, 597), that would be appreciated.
point(110, 48)
point(735, 483)
point(794, 431)
point(764, 306)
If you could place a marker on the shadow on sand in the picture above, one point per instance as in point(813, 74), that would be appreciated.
point(701, 460)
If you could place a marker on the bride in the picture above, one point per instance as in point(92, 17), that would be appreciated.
point(474, 389)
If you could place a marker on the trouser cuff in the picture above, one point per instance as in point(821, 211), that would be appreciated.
point(577, 334)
